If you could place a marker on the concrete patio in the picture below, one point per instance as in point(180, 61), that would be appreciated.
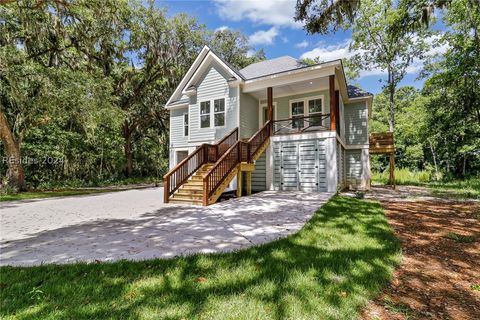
point(136, 225)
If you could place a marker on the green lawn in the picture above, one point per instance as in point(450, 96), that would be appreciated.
point(329, 270)
point(50, 194)
point(463, 189)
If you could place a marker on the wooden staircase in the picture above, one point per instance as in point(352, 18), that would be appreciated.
point(202, 177)
point(191, 192)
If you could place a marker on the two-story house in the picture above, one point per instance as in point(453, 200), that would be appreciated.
point(278, 124)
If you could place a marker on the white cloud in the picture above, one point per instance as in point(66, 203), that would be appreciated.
point(264, 37)
point(222, 28)
point(284, 39)
point(277, 13)
point(341, 50)
point(302, 45)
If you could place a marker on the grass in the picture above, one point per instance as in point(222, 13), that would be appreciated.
point(342, 258)
point(461, 238)
point(399, 308)
point(463, 189)
point(50, 194)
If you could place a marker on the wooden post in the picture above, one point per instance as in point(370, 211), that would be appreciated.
point(205, 192)
point(270, 107)
point(337, 110)
point(166, 189)
point(249, 183)
point(239, 184)
point(331, 88)
point(392, 169)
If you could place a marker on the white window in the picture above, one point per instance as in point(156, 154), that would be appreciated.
point(219, 112)
point(298, 111)
point(308, 107)
point(185, 124)
point(205, 114)
point(315, 108)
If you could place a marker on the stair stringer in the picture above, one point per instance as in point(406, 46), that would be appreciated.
point(225, 182)
point(261, 150)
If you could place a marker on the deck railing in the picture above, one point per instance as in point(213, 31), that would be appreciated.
point(205, 153)
point(241, 151)
point(300, 124)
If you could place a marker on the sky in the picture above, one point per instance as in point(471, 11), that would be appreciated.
point(269, 24)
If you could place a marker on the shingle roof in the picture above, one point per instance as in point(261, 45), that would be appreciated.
point(356, 92)
point(267, 67)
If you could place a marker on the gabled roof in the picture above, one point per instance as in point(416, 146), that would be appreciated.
point(196, 67)
point(268, 67)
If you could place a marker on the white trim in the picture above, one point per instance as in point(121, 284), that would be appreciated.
point(305, 100)
point(238, 112)
point(304, 136)
point(357, 146)
point(177, 106)
point(212, 113)
point(199, 58)
point(188, 125)
point(207, 60)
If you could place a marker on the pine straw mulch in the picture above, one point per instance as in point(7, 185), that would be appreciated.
point(439, 277)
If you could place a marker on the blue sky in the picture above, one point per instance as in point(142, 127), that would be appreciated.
point(269, 25)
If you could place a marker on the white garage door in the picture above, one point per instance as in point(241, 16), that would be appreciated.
point(300, 165)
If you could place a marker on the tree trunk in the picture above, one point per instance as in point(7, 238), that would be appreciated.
point(127, 148)
point(391, 99)
point(434, 158)
point(15, 173)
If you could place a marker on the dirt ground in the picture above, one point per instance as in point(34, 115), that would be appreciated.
point(439, 277)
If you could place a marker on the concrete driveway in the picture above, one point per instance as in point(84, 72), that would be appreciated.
point(137, 225)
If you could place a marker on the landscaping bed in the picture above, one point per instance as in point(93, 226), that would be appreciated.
point(439, 277)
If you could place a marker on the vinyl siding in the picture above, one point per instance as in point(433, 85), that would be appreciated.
point(213, 85)
point(176, 128)
point(354, 167)
point(356, 121)
point(248, 115)
point(259, 176)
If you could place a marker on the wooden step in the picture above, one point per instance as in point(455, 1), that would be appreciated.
point(190, 191)
point(194, 183)
point(189, 196)
point(186, 201)
point(192, 187)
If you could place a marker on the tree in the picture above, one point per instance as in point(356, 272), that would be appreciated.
point(324, 16)
point(454, 90)
point(380, 42)
point(233, 47)
point(41, 70)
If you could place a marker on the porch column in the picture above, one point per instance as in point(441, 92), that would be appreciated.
point(270, 107)
point(333, 118)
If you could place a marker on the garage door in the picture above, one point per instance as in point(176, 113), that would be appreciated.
point(300, 165)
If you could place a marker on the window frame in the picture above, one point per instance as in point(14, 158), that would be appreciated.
point(212, 113)
point(200, 115)
point(187, 125)
point(306, 111)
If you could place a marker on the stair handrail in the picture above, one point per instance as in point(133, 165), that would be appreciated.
point(179, 174)
point(258, 139)
point(231, 158)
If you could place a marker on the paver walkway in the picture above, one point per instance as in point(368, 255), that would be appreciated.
point(136, 225)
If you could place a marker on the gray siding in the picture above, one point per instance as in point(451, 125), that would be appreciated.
point(353, 166)
point(176, 128)
point(212, 85)
point(248, 115)
point(259, 176)
point(356, 121)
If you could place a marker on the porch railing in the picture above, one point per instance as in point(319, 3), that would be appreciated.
point(205, 153)
point(299, 124)
point(241, 151)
